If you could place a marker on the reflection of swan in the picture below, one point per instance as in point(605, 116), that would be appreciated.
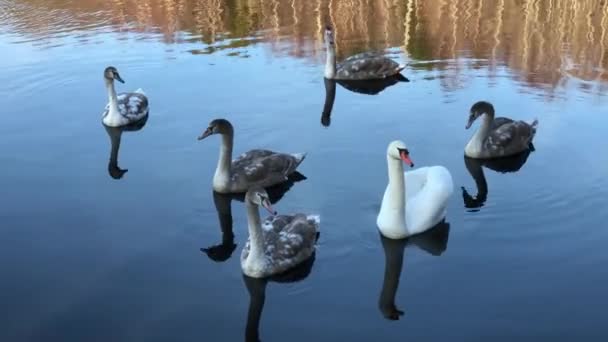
point(372, 87)
point(426, 190)
point(433, 241)
point(330, 96)
point(369, 87)
point(497, 137)
point(115, 134)
point(223, 205)
point(502, 165)
point(257, 295)
point(363, 66)
point(262, 168)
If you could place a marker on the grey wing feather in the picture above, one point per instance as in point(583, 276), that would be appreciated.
point(500, 121)
point(363, 55)
point(509, 138)
point(288, 240)
point(132, 106)
point(293, 238)
point(263, 167)
point(370, 66)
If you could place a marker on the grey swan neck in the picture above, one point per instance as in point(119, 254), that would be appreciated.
point(221, 178)
point(330, 62)
point(482, 133)
point(256, 237)
point(112, 98)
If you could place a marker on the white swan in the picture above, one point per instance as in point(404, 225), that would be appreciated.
point(497, 137)
point(125, 108)
point(427, 192)
point(364, 66)
point(280, 242)
point(256, 167)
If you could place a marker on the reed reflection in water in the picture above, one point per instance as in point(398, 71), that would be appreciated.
point(547, 44)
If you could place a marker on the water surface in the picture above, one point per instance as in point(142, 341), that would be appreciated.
point(93, 253)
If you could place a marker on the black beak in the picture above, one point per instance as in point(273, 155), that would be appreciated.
point(205, 134)
point(470, 122)
point(118, 78)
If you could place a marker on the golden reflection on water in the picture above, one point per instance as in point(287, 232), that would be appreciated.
point(543, 42)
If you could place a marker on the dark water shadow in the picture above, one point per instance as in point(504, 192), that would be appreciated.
point(368, 87)
point(223, 205)
point(257, 294)
point(475, 167)
point(372, 87)
point(115, 134)
point(433, 241)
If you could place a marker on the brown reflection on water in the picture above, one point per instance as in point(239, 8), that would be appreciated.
point(544, 42)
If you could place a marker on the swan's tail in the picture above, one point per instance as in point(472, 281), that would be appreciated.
point(299, 157)
point(534, 123)
point(534, 126)
point(315, 218)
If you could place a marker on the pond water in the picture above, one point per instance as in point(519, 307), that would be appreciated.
point(90, 252)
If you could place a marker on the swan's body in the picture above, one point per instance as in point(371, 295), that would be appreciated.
point(497, 137)
point(125, 108)
point(255, 168)
point(279, 243)
point(362, 66)
point(223, 251)
point(413, 201)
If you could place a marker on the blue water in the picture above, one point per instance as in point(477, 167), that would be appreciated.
point(86, 257)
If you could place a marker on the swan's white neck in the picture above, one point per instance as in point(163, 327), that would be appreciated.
point(391, 219)
point(113, 118)
point(255, 259)
point(475, 146)
point(330, 62)
point(221, 178)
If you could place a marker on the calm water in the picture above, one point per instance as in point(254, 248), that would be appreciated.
point(91, 253)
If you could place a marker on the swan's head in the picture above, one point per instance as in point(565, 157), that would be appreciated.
point(398, 150)
point(259, 196)
point(478, 109)
point(329, 36)
point(217, 126)
point(111, 74)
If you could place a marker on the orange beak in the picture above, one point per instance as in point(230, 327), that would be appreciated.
point(266, 204)
point(406, 159)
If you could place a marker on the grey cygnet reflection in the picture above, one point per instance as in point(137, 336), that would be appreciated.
point(433, 241)
point(223, 205)
point(369, 87)
point(115, 134)
point(475, 167)
point(257, 294)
